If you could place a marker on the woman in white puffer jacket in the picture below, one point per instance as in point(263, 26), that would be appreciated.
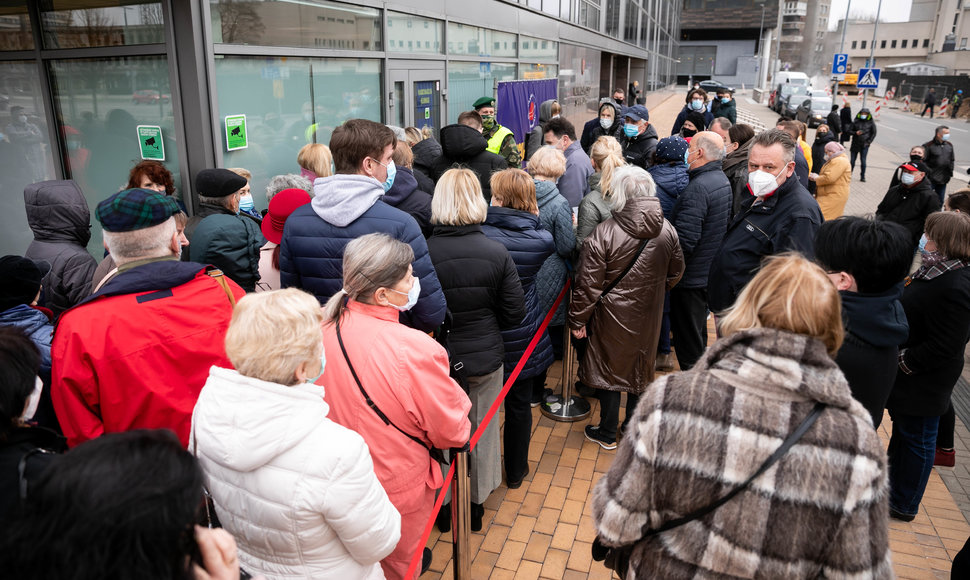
point(296, 490)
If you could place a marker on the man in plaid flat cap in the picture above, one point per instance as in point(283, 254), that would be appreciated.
point(135, 354)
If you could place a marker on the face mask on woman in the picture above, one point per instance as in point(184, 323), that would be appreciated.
point(412, 295)
point(606, 122)
point(323, 364)
point(696, 104)
point(685, 132)
point(246, 203)
point(915, 157)
point(725, 100)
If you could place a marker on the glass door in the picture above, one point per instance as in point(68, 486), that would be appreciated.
point(414, 99)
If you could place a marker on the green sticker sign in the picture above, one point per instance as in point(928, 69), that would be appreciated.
point(151, 143)
point(236, 137)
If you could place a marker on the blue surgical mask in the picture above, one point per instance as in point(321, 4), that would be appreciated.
point(391, 172)
point(323, 365)
point(412, 295)
point(696, 104)
point(246, 203)
point(631, 129)
point(922, 244)
point(725, 100)
point(686, 155)
point(946, 137)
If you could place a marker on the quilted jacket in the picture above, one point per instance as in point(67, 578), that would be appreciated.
point(701, 217)
point(529, 245)
point(296, 490)
point(557, 218)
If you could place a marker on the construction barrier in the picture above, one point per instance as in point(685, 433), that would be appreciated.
point(461, 530)
point(943, 105)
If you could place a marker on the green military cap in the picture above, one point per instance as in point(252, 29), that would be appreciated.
point(484, 102)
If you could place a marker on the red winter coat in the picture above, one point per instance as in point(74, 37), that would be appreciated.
point(136, 354)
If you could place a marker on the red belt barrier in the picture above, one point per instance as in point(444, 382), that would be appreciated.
point(416, 560)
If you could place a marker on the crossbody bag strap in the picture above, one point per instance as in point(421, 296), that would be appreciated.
point(781, 451)
point(612, 285)
point(370, 402)
point(220, 277)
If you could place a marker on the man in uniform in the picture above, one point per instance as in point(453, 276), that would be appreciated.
point(500, 139)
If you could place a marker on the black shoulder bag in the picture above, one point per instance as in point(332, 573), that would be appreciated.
point(435, 453)
point(619, 558)
point(636, 256)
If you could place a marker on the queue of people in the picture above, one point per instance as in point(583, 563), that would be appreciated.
point(284, 365)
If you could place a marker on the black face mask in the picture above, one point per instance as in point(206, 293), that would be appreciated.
point(619, 101)
point(688, 132)
point(915, 157)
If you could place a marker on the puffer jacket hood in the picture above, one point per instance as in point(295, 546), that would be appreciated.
point(341, 199)
point(878, 319)
point(461, 143)
point(641, 217)
point(249, 401)
point(545, 111)
point(425, 152)
point(58, 212)
point(403, 186)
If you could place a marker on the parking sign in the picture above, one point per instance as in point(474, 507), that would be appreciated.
point(839, 62)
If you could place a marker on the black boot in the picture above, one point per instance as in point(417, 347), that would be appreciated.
point(443, 521)
point(478, 511)
point(425, 560)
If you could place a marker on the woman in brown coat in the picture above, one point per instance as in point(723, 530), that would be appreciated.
point(623, 322)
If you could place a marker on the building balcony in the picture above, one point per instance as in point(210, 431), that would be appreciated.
point(795, 9)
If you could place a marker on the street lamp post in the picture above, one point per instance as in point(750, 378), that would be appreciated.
point(761, 47)
point(872, 50)
point(845, 26)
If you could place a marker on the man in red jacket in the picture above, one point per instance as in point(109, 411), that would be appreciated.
point(136, 353)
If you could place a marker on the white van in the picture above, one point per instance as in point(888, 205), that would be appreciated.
point(798, 79)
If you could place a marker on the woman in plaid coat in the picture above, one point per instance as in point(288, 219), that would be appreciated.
point(821, 510)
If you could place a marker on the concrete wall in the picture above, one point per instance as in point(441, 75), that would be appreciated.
point(733, 63)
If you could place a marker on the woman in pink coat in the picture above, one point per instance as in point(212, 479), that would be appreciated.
point(405, 374)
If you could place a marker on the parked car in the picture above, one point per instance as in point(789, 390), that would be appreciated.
point(783, 93)
point(149, 97)
point(712, 86)
point(814, 110)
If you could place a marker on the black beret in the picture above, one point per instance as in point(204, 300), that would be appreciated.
point(218, 182)
point(135, 209)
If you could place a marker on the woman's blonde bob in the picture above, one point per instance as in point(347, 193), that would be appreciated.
point(458, 199)
point(514, 189)
point(371, 261)
point(271, 333)
point(789, 293)
point(316, 157)
point(547, 162)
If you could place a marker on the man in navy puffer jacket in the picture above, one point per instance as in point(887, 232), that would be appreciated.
point(701, 218)
point(348, 205)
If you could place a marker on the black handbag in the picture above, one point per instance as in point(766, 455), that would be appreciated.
point(436, 454)
point(618, 558)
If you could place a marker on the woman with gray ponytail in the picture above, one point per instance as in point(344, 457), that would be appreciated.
point(375, 361)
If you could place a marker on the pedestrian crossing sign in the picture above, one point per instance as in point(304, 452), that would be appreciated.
point(868, 78)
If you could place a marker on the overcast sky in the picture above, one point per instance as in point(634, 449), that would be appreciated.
point(892, 10)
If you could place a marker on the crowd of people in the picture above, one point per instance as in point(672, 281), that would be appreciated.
point(299, 375)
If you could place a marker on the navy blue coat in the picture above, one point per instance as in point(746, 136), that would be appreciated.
point(529, 245)
point(671, 179)
point(701, 217)
point(787, 220)
point(311, 257)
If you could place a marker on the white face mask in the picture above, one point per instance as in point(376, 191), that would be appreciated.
point(763, 183)
point(33, 400)
point(907, 179)
point(606, 122)
point(412, 295)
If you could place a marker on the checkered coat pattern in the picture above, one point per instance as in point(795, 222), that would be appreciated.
point(820, 511)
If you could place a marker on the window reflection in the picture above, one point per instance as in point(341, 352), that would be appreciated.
point(301, 23)
point(408, 33)
point(25, 151)
point(15, 31)
point(81, 24)
point(467, 81)
point(289, 102)
point(99, 104)
point(475, 41)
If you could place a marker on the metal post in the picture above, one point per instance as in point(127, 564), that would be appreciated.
point(872, 50)
point(566, 407)
point(761, 43)
point(461, 529)
point(778, 41)
point(845, 26)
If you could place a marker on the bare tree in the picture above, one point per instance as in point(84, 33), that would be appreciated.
point(240, 22)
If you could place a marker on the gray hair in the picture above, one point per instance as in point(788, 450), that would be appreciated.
point(941, 128)
point(225, 201)
point(630, 182)
point(770, 137)
point(399, 132)
point(711, 143)
point(723, 122)
point(371, 261)
point(287, 181)
point(150, 242)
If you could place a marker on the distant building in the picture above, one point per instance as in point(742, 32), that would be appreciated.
point(918, 68)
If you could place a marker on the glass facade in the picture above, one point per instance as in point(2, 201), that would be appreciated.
point(295, 68)
point(289, 102)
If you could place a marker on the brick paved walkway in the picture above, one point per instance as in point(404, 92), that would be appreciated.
point(544, 529)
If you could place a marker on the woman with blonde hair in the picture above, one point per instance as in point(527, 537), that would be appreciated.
point(485, 297)
point(296, 490)
point(378, 363)
point(606, 156)
point(546, 166)
point(513, 221)
point(315, 161)
point(247, 206)
point(696, 461)
point(937, 306)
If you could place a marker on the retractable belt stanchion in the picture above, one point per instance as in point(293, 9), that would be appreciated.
point(461, 518)
point(566, 407)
